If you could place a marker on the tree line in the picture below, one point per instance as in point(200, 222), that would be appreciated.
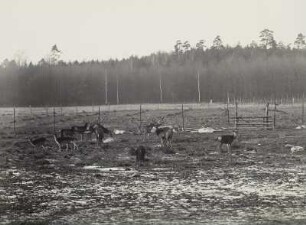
point(268, 69)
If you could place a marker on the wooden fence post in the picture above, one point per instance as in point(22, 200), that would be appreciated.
point(140, 119)
point(183, 118)
point(227, 109)
point(31, 112)
point(14, 120)
point(54, 120)
point(99, 118)
point(236, 114)
point(303, 109)
point(274, 116)
point(267, 115)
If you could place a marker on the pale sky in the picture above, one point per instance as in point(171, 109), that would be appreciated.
point(103, 29)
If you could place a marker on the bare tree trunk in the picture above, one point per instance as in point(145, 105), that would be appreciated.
point(199, 90)
point(228, 99)
point(160, 88)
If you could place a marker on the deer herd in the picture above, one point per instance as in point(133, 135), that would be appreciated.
point(67, 137)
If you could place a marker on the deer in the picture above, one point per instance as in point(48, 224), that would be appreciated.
point(140, 155)
point(65, 141)
point(67, 132)
point(228, 140)
point(38, 142)
point(165, 133)
point(81, 129)
point(153, 123)
point(99, 131)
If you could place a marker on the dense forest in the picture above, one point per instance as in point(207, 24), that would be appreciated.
point(267, 69)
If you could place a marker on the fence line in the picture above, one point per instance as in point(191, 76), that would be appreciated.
point(267, 120)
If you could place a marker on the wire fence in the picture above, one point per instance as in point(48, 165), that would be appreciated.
point(189, 115)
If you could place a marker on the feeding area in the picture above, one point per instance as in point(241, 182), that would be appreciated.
point(188, 180)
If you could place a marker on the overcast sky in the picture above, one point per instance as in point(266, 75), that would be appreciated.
point(103, 29)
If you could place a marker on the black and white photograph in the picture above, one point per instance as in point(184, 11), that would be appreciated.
point(152, 112)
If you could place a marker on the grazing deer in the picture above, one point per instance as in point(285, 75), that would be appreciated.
point(165, 134)
point(99, 131)
point(228, 140)
point(38, 142)
point(81, 129)
point(154, 123)
point(140, 155)
point(65, 141)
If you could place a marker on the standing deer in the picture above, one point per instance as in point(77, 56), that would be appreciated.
point(99, 131)
point(65, 141)
point(37, 142)
point(81, 129)
point(228, 140)
point(140, 155)
point(165, 133)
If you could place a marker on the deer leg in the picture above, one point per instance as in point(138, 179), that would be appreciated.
point(59, 146)
point(137, 158)
point(164, 142)
point(98, 140)
point(230, 152)
point(170, 142)
point(220, 148)
point(75, 146)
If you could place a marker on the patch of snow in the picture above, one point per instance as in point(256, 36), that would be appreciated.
point(119, 131)
point(296, 149)
point(202, 130)
point(157, 146)
point(107, 169)
point(108, 140)
point(300, 127)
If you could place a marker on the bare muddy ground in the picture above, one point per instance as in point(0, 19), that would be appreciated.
point(265, 184)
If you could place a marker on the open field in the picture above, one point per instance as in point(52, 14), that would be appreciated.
point(265, 184)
